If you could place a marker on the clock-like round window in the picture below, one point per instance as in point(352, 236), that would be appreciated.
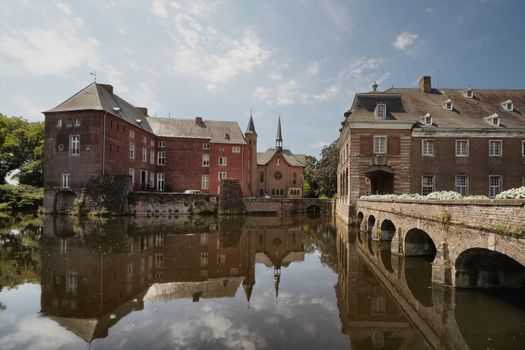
point(278, 175)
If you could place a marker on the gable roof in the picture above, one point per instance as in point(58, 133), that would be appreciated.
point(100, 97)
point(409, 105)
point(292, 159)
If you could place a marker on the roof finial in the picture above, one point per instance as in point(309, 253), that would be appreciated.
point(374, 86)
point(94, 74)
point(279, 138)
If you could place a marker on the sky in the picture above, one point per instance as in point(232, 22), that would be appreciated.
point(301, 59)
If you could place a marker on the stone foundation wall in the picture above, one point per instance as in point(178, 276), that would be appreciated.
point(161, 204)
point(345, 212)
point(286, 205)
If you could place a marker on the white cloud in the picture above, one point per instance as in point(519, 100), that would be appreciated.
point(158, 8)
point(313, 69)
point(404, 40)
point(275, 77)
point(64, 7)
point(429, 10)
point(50, 51)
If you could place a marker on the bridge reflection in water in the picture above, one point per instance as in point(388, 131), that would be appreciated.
point(447, 318)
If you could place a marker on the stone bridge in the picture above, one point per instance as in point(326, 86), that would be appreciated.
point(287, 205)
point(473, 243)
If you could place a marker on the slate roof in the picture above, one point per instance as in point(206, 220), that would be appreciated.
point(292, 159)
point(411, 104)
point(100, 97)
point(251, 126)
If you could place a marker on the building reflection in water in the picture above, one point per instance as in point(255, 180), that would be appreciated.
point(94, 274)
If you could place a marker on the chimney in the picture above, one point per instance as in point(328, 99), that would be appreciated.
point(198, 121)
point(425, 84)
point(144, 110)
point(108, 87)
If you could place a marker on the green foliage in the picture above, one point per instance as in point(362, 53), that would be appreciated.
point(21, 197)
point(310, 186)
point(325, 172)
point(446, 218)
point(21, 147)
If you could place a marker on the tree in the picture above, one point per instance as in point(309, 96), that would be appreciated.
point(21, 147)
point(325, 173)
point(310, 184)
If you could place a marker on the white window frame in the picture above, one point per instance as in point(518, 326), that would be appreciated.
point(493, 189)
point(59, 123)
point(427, 120)
point(144, 154)
point(424, 150)
point(161, 158)
point(508, 106)
point(205, 182)
point(144, 140)
point(469, 93)
point(222, 175)
point(375, 149)
point(205, 146)
point(467, 143)
point(161, 182)
point(77, 122)
point(495, 121)
point(236, 149)
point(423, 184)
point(131, 151)
point(131, 172)
point(380, 110)
point(152, 179)
point(500, 148)
point(205, 159)
point(222, 161)
point(66, 180)
point(74, 145)
point(448, 105)
point(161, 144)
point(152, 156)
point(132, 134)
point(459, 186)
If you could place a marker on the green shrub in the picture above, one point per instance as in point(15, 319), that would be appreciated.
point(21, 197)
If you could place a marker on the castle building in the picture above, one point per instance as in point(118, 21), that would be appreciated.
point(421, 140)
point(95, 133)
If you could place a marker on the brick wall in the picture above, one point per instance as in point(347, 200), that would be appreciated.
point(158, 203)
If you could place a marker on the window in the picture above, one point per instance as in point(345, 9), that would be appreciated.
point(223, 161)
point(162, 144)
point(144, 140)
point(131, 172)
point(508, 105)
point(493, 120)
point(461, 148)
point(74, 145)
point(152, 157)
point(448, 105)
point(205, 182)
point(261, 175)
point(71, 282)
point(131, 151)
point(159, 240)
point(59, 123)
point(144, 154)
point(77, 122)
point(495, 148)
point(205, 146)
point(205, 159)
point(221, 149)
point(132, 134)
point(462, 185)
point(380, 110)
point(221, 259)
point(427, 119)
point(427, 184)
point(64, 246)
point(222, 175)
point(65, 180)
point(159, 261)
point(379, 144)
point(161, 158)
point(428, 148)
point(494, 185)
point(236, 149)
point(204, 259)
point(160, 182)
point(469, 93)
point(152, 143)
point(151, 179)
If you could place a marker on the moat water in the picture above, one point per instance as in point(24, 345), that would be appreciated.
point(245, 283)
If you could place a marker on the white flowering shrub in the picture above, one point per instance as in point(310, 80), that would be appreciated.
point(444, 195)
point(513, 193)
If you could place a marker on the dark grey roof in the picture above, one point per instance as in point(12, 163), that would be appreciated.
point(292, 159)
point(279, 136)
point(215, 131)
point(411, 104)
point(100, 97)
point(251, 126)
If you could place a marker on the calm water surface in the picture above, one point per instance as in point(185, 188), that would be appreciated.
point(256, 282)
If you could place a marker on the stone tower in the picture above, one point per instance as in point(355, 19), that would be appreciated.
point(251, 138)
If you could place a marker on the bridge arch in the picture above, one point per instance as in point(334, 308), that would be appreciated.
point(388, 230)
point(419, 243)
point(371, 221)
point(64, 201)
point(313, 208)
point(485, 268)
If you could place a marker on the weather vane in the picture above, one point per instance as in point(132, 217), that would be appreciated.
point(94, 74)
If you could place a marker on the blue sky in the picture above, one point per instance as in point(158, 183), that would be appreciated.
point(301, 59)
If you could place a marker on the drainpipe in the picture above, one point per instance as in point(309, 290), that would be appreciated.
point(104, 145)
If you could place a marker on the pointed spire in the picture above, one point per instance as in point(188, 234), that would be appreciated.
point(279, 138)
point(277, 279)
point(251, 126)
point(248, 288)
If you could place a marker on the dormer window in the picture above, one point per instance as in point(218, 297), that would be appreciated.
point(427, 119)
point(380, 110)
point(469, 93)
point(448, 105)
point(227, 136)
point(493, 120)
point(508, 105)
